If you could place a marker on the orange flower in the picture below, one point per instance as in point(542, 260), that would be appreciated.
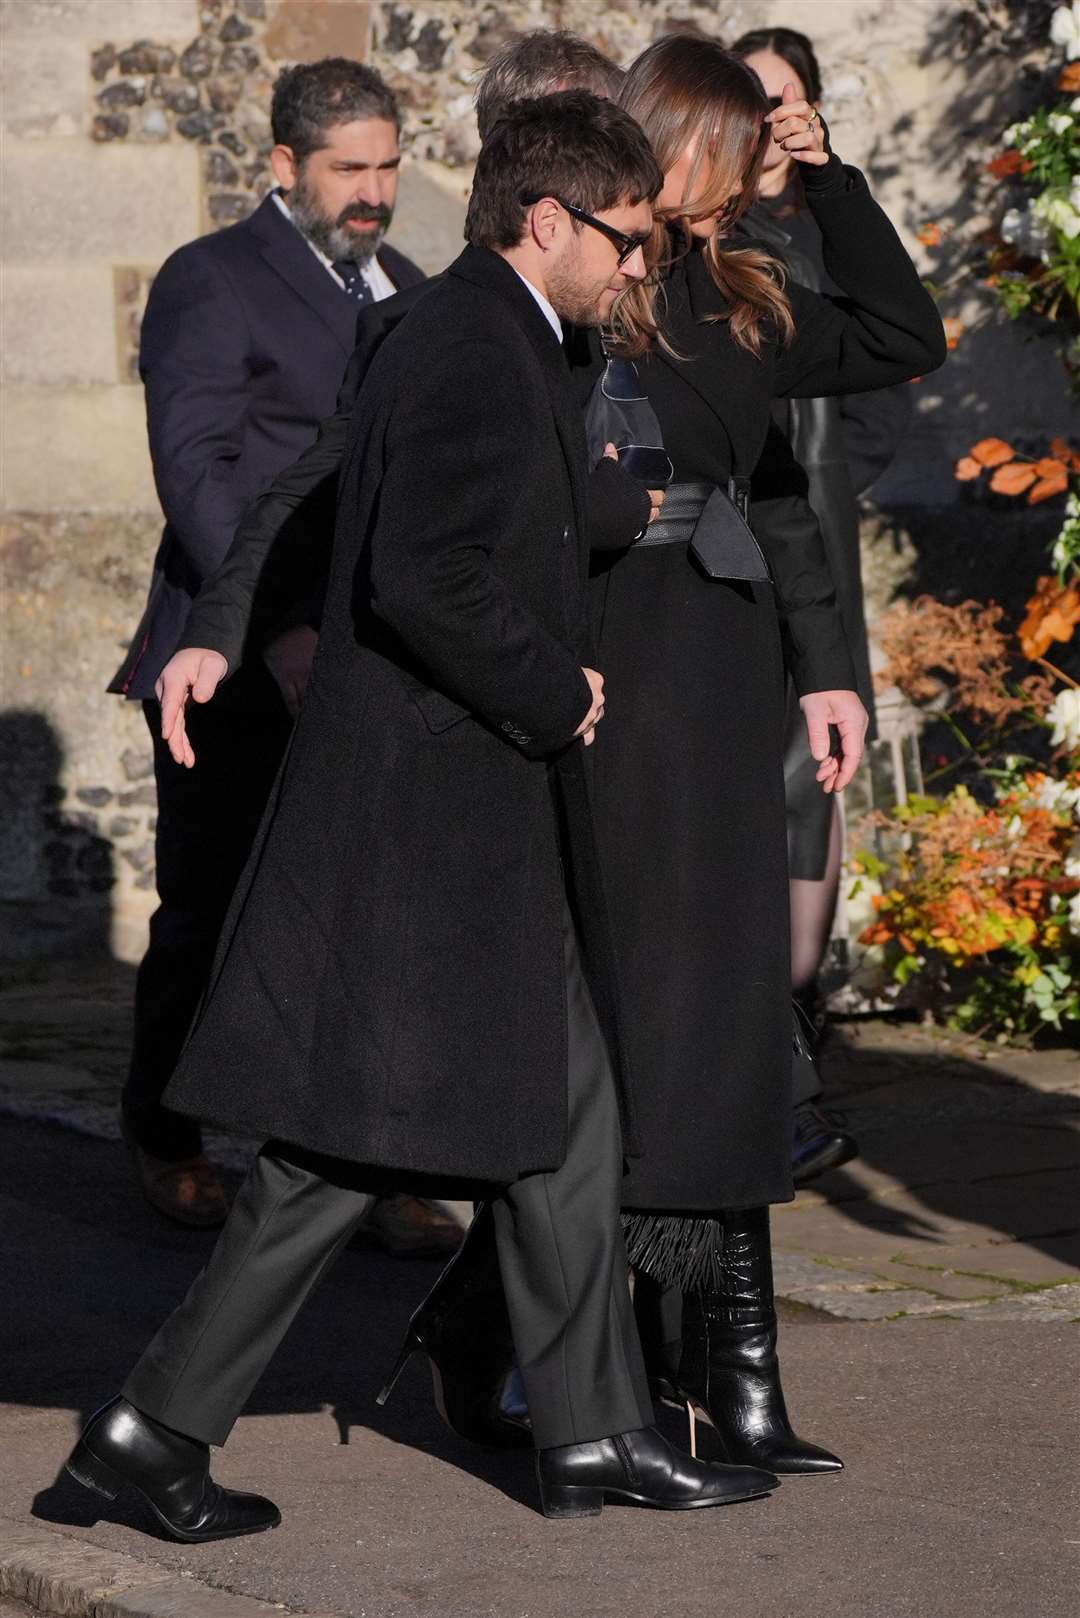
point(1046, 488)
point(1009, 163)
point(1013, 478)
point(954, 330)
point(929, 234)
point(1053, 614)
point(992, 451)
point(1063, 450)
point(1070, 78)
point(966, 469)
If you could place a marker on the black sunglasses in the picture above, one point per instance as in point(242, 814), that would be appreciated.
point(627, 245)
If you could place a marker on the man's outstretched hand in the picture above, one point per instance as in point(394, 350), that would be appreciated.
point(194, 672)
point(844, 710)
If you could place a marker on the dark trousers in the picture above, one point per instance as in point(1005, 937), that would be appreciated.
point(207, 820)
point(560, 1254)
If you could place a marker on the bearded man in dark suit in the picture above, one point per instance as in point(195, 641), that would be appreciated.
point(244, 344)
point(415, 977)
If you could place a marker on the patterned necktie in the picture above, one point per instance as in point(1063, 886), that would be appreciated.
point(356, 285)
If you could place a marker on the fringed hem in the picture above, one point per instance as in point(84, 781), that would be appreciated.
point(676, 1250)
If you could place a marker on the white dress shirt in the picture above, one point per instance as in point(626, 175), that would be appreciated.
point(549, 313)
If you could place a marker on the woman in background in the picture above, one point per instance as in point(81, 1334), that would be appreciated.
point(843, 444)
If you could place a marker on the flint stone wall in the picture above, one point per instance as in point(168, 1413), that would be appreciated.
point(131, 126)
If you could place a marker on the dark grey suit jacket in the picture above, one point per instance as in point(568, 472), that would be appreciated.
point(244, 344)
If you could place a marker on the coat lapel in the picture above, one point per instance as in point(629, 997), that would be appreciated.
point(288, 254)
point(487, 269)
point(688, 301)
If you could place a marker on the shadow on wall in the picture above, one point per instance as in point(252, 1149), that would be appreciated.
point(56, 873)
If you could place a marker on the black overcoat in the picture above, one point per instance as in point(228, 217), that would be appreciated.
point(389, 988)
point(687, 778)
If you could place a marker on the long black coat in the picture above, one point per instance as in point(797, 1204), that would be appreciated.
point(243, 346)
point(389, 987)
point(688, 787)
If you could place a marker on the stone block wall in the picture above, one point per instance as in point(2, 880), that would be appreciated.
point(130, 126)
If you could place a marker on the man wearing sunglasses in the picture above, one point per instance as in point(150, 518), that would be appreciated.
point(420, 982)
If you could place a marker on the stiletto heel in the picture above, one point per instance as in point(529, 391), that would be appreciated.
point(93, 1474)
point(691, 1416)
point(463, 1330)
point(413, 1344)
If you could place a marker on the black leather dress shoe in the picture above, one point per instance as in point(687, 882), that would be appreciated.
point(642, 1469)
point(817, 1143)
point(121, 1447)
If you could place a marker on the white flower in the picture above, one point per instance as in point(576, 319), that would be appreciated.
point(1058, 213)
point(1021, 228)
point(1074, 913)
point(1015, 133)
point(1072, 505)
point(1065, 29)
point(1064, 715)
point(1074, 190)
point(1059, 122)
point(1057, 796)
point(1074, 104)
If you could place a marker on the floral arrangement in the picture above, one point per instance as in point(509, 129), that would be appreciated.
point(1034, 253)
point(1023, 237)
point(974, 892)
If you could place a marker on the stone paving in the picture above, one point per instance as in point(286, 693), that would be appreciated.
point(965, 1201)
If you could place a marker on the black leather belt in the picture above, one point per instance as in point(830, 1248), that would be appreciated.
point(683, 505)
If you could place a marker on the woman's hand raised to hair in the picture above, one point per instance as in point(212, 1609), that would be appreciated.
point(797, 128)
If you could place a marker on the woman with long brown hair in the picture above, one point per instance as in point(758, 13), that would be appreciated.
point(694, 624)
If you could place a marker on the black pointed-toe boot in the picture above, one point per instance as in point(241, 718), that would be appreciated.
point(463, 1328)
point(640, 1469)
point(729, 1374)
point(122, 1448)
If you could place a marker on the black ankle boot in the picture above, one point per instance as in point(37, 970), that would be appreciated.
point(643, 1469)
point(729, 1373)
point(463, 1328)
point(120, 1447)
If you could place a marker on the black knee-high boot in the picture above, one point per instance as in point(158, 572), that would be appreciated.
point(729, 1373)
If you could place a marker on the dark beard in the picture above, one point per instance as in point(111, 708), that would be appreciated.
point(332, 236)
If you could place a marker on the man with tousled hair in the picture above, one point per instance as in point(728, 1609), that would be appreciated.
point(422, 982)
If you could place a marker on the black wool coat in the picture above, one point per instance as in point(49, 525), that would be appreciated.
point(687, 778)
point(389, 988)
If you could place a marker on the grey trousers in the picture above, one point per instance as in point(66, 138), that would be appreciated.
point(560, 1254)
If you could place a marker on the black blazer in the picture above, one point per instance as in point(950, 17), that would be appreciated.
point(244, 342)
point(390, 984)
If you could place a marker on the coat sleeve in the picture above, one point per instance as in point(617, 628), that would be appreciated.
point(275, 572)
point(618, 510)
point(195, 363)
point(452, 476)
point(886, 327)
point(815, 646)
point(874, 427)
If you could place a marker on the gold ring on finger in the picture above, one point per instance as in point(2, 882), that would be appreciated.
point(813, 118)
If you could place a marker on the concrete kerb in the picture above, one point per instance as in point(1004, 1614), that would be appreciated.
point(68, 1578)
